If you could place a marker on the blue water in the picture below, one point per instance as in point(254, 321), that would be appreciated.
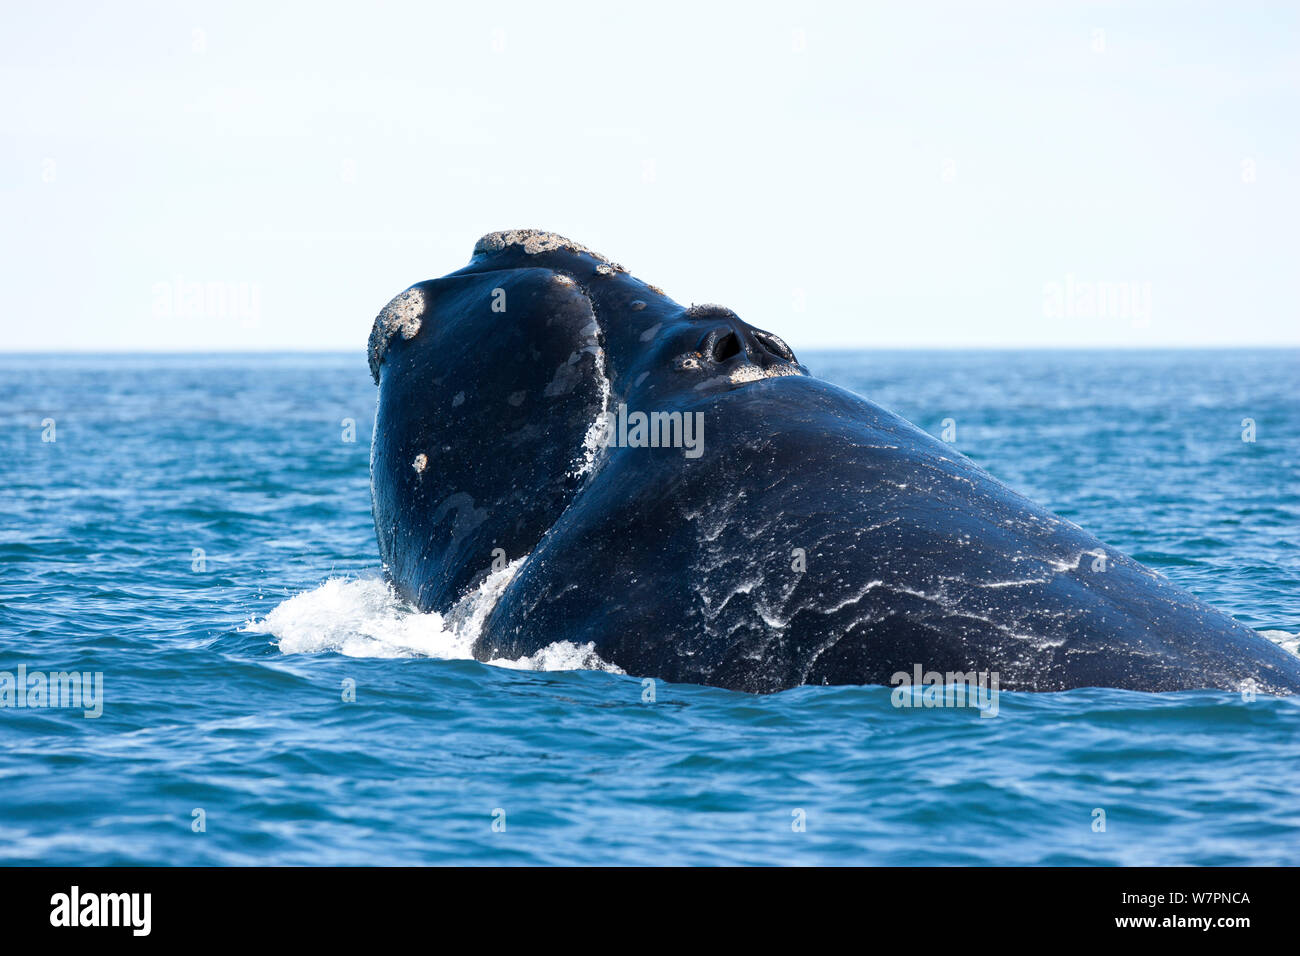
point(224, 670)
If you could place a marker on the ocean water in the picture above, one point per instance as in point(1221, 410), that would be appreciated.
point(198, 532)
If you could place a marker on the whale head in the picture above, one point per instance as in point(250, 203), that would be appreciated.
point(496, 386)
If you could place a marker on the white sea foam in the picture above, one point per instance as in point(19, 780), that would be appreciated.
point(594, 440)
point(1283, 639)
point(362, 617)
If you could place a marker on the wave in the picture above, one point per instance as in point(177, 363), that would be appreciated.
point(364, 617)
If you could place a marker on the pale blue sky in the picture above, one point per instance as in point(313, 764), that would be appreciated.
point(256, 176)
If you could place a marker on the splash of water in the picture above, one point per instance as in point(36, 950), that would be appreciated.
point(363, 617)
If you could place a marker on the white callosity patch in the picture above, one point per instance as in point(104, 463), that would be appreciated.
point(752, 373)
point(402, 317)
point(362, 617)
point(420, 463)
point(536, 241)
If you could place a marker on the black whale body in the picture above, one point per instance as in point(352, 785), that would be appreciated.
point(815, 539)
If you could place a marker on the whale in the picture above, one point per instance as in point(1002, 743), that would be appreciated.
point(672, 487)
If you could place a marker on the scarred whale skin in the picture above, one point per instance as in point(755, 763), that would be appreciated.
point(816, 538)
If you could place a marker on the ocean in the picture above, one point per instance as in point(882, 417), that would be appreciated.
point(192, 535)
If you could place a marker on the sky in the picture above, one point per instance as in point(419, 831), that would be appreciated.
point(263, 176)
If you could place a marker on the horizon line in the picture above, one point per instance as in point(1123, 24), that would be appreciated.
point(361, 350)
